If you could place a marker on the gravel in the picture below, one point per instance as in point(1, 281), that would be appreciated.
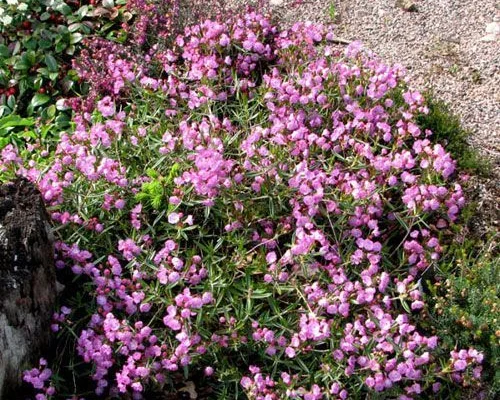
point(448, 46)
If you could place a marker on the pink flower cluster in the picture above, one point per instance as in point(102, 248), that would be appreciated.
point(463, 361)
point(58, 318)
point(39, 379)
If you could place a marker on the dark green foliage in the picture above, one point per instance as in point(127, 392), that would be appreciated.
point(465, 305)
point(448, 130)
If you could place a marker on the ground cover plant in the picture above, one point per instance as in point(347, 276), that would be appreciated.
point(254, 207)
point(464, 304)
point(38, 36)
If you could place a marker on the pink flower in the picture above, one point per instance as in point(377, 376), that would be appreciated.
point(290, 352)
point(106, 107)
point(128, 248)
point(460, 365)
point(271, 257)
point(119, 204)
point(173, 218)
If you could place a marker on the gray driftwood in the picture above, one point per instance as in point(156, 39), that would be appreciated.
point(27, 282)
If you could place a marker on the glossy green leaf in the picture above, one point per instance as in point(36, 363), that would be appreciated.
point(51, 63)
point(75, 37)
point(83, 11)
point(51, 111)
point(11, 121)
point(45, 44)
point(74, 27)
point(4, 51)
point(11, 102)
point(39, 99)
point(45, 16)
point(63, 8)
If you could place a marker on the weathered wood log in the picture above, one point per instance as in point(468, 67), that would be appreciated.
point(27, 282)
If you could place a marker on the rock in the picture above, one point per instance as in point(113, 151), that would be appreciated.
point(490, 37)
point(190, 388)
point(407, 5)
point(492, 32)
point(276, 2)
point(493, 27)
point(27, 283)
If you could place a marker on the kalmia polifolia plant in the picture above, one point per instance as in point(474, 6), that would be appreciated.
point(258, 211)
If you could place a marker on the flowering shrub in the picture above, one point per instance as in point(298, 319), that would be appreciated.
point(257, 207)
point(37, 42)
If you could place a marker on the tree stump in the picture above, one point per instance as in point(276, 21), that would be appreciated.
point(27, 282)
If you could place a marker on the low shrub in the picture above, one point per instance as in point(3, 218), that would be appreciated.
point(38, 40)
point(449, 131)
point(465, 304)
point(250, 207)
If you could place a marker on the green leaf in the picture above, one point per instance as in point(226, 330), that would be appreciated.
point(75, 38)
point(60, 47)
point(108, 3)
point(23, 86)
point(105, 27)
point(74, 27)
point(31, 44)
point(64, 9)
point(4, 51)
point(3, 142)
point(51, 111)
point(39, 99)
point(29, 134)
point(51, 62)
point(62, 120)
point(17, 48)
point(83, 11)
point(21, 65)
point(44, 44)
point(11, 102)
point(11, 121)
point(3, 109)
point(43, 72)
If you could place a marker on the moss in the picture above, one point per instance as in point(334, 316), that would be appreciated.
point(448, 130)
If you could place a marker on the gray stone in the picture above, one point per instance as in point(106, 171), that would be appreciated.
point(492, 32)
point(493, 27)
point(27, 283)
point(407, 5)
